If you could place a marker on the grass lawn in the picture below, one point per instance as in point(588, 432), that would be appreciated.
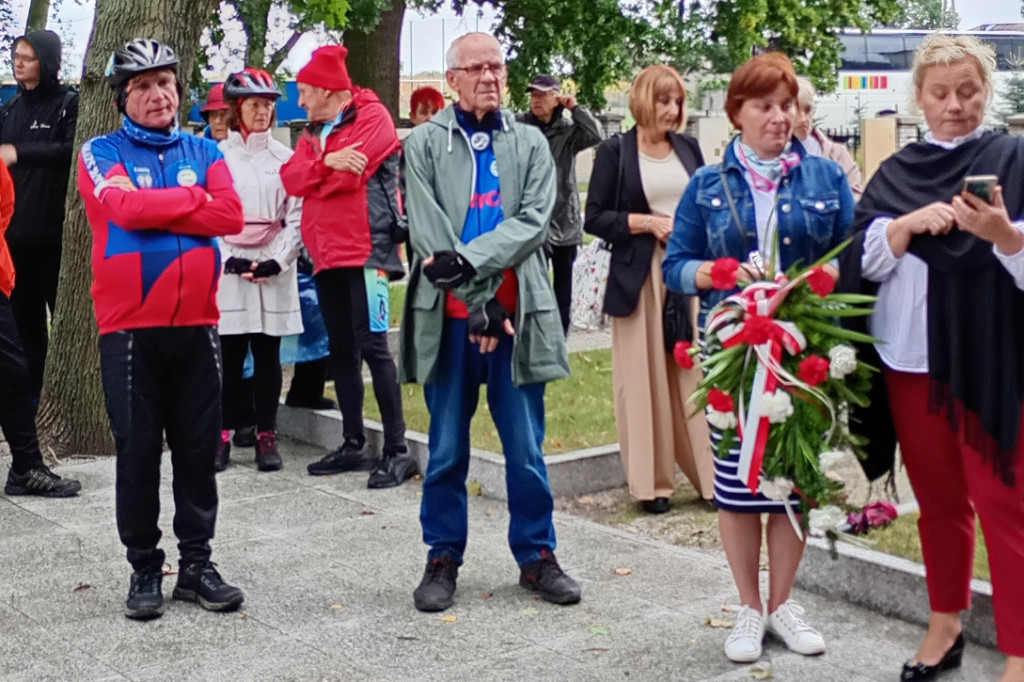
point(580, 410)
point(397, 303)
point(902, 539)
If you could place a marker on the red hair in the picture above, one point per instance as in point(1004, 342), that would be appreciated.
point(432, 97)
point(759, 77)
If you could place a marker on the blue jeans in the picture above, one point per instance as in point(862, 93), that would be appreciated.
point(518, 414)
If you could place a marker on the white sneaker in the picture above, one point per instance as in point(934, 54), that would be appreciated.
point(744, 642)
point(788, 625)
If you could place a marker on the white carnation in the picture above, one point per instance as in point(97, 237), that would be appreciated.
point(830, 458)
point(775, 489)
point(842, 361)
point(722, 421)
point(777, 406)
point(830, 517)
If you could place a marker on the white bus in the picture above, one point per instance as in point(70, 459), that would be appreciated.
point(875, 72)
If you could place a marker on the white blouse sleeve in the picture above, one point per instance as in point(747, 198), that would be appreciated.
point(1014, 264)
point(878, 262)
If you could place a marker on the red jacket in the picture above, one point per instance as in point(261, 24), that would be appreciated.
point(6, 211)
point(154, 257)
point(335, 218)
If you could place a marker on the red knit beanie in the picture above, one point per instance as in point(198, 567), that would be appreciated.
point(327, 69)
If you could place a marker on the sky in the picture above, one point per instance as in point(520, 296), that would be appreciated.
point(426, 37)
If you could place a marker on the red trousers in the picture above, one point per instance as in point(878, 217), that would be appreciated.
point(951, 483)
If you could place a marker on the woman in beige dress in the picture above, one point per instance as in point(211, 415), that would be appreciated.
point(636, 184)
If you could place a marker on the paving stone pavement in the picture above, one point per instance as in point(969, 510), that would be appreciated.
point(328, 568)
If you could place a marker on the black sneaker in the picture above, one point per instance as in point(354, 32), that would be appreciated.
point(245, 437)
point(145, 597)
point(349, 457)
point(202, 583)
point(40, 481)
point(267, 457)
point(547, 577)
point(220, 462)
point(437, 589)
point(393, 470)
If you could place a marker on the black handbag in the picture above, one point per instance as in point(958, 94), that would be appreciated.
point(675, 319)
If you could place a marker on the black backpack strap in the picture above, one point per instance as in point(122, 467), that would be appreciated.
point(66, 102)
point(8, 105)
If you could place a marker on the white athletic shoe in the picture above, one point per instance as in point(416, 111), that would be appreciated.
point(788, 625)
point(744, 642)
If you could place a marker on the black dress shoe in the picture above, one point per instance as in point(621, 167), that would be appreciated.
point(659, 505)
point(920, 671)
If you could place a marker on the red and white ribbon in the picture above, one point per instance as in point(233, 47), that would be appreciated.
point(728, 321)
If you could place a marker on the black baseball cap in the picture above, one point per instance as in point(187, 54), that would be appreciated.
point(544, 84)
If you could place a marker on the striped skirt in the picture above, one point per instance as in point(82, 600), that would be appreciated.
point(731, 493)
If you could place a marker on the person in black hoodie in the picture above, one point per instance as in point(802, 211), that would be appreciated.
point(37, 133)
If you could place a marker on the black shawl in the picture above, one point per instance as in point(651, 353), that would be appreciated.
point(975, 310)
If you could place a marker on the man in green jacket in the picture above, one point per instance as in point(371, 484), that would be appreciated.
point(480, 309)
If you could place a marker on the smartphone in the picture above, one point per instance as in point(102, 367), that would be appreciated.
point(981, 186)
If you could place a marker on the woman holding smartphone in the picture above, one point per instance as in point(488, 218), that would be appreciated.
point(948, 269)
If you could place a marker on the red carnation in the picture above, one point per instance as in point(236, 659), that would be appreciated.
point(720, 401)
point(821, 282)
point(682, 354)
point(723, 273)
point(813, 370)
point(758, 329)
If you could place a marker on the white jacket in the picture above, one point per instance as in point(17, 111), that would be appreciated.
point(272, 307)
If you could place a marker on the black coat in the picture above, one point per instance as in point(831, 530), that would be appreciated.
point(566, 139)
point(40, 123)
point(609, 206)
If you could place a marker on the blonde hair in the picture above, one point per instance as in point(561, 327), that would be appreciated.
point(944, 49)
point(653, 82)
point(807, 91)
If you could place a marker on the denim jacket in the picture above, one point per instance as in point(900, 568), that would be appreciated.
point(815, 211)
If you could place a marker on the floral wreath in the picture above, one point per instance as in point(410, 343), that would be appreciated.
point(779, 375)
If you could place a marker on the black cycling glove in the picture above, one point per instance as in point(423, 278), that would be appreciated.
point(487, 320)
point(449, 270)
point(267, 268)
point(237, 266)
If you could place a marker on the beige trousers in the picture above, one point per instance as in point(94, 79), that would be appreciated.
point(652, 411)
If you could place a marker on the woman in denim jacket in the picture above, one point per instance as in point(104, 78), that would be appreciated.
point(766, 186)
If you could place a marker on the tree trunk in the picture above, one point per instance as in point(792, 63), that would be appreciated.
point(38, 12)
point(253, 15)
point(373, 58)
point(72, 415)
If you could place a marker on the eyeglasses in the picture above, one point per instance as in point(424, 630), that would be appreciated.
point(478, 70)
